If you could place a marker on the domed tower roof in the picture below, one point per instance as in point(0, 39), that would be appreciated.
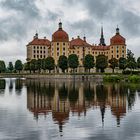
point(117, 39)
point(60, 35)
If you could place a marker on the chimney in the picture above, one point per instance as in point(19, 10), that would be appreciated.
point(44, 37)
point(78, 36)
point(72, 38)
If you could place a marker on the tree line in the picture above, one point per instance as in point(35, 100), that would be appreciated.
point(72, 62)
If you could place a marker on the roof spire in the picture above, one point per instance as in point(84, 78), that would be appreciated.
point(117, 30)
point(102, 40)
point(60, 24)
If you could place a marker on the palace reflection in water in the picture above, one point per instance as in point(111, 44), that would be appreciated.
point(63, 98)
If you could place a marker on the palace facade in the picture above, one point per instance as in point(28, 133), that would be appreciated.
point(62, 45)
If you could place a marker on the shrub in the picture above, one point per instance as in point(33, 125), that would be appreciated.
point(134, 78)
point(111, 78)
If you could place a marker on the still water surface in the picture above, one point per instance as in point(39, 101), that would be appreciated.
point(57, 110)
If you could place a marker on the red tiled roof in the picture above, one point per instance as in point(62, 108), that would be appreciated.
point(78, 42)
point(102, 48)
point(37, 41)
point(60, 36)
point(117, 40)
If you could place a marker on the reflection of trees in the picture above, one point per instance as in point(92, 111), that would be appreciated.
point(11, 85)
point(2, 85)
point(131, 95)
point(63, 92)
point(73, 94)
point(88, 92)
point(18, 86)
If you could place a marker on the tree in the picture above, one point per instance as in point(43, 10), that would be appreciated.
point(131, 62)
point(101, 62)
point(2, 66)
point(138, 62)
point(113, 63)
point(89, 62)
point(34, 65)
point(50, 63)
point(73, 61)
point(63, 63)
point(122, 63)
point(10, 66)
point(39, 65)
point(27, 67)
point(18, 65)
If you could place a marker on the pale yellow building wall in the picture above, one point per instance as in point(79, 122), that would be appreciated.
point(58, 49)
point(37, 52)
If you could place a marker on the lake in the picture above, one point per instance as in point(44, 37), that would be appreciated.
point(68, 110)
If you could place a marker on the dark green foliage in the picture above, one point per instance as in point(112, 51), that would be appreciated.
point(101, 62)
point(10, 66)
point(131, 62)
point(34, 65)
point(49, 63)
point(122, 63)
point(73, 61)
point(63, 63)
point(113, 63)
point(89, 62)
point(2, 66)
point(138, 62)
point(18, 65)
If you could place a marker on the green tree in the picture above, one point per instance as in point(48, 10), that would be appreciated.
point(138, 62)
point(63, 63)
point(10, 66)
point(43, 66)
point(2, 66)
point(50, 63)
point(89, 62)
point(73, 61)
point(27, 67)
point(33, 65)
point(131, 62)
point(18, 65)
point(101, 62)
point(39, 65)
point(113, 63)
point(122, 63)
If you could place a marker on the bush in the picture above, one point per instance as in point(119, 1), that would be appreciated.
point(111, 78)
point(128, 72)
point(134, 78)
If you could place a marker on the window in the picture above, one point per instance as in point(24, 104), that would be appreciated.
point(117, 51)
point(63, 49)
point(40, 47)
point(37, 51)
point(37, 56)
point(34, 51)
point(37, 47)
point(123, 51)
point(117, 56)
point(34, 56)
point(44, 48)
point(44, 52)
point(57, 53)
point(57, 44)
point(64, 44)
point(34, 47)
point(40, 56)
point(57, 49)
point(112, 51)
point(44, 56)
point(40, 51)
point(63, 53)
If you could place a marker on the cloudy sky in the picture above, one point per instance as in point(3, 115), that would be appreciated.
point(20, 19)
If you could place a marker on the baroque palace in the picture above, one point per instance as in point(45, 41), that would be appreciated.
point(62, 45)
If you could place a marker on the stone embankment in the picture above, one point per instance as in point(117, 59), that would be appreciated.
point(97, 78)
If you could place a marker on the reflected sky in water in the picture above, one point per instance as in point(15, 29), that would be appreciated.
point(66, 110)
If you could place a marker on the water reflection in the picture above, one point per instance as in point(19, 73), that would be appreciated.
point(63, 98)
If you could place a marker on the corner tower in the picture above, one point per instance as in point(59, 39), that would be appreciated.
point(117, 45)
